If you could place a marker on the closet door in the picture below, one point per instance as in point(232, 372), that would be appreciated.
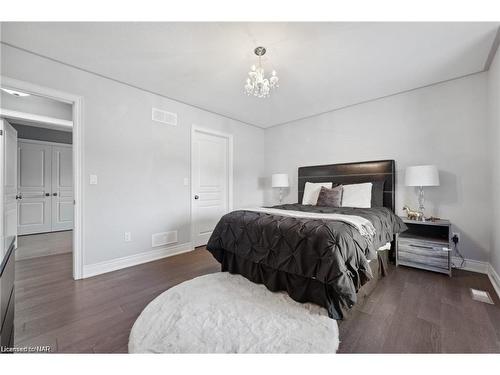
point(62, 188)
point(34, 187)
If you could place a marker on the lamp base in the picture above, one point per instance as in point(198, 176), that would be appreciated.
point(421, 201)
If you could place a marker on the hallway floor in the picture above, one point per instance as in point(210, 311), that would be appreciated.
point(43, 244)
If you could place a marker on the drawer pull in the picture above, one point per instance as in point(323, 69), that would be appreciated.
point(435, 248)
point(422, 246)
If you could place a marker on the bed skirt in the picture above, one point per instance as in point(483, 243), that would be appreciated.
point(299, 288)
point(379, 269)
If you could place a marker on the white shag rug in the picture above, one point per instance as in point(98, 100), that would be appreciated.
point(224, 313)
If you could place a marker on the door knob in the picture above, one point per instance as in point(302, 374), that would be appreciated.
point(19, 196)
point(54, 194)
point(196, 197)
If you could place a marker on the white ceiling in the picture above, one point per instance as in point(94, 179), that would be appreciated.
point(322, 66)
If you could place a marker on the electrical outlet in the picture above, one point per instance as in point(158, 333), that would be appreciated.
point(128, 237)
point(456, 234)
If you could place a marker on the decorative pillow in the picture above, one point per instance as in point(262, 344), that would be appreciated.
point(357, 195)
point(330, 197)
point(378, 193)
point(311, 191)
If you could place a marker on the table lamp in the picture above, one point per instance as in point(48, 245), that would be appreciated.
point(280, 180)
point(422, 175)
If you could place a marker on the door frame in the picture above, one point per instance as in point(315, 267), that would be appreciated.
point(78, 160)
point(2, 191)
point(229, 137)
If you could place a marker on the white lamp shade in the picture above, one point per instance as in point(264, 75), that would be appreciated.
point(422, 175)
point(279, 180)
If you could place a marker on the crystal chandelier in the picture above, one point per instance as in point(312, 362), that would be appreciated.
point(257, 84)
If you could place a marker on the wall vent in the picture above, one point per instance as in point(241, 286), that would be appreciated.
point(164, 117)
point(164, 238)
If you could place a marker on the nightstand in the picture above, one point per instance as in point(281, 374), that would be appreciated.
point(426, 245)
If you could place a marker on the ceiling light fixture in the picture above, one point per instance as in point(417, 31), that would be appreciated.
point(257, 84)
point(15, 93)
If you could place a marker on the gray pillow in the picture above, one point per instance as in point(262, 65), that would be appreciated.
point(330, 197)
point(378, 193)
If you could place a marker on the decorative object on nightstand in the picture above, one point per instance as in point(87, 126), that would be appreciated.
point(412, 214)
point(280, 180)
point(426, 245)
point(422, 175)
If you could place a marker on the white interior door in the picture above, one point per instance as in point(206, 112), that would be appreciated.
point(62, 188)
point(211, 182)
point(34, 186)
point(9, 179)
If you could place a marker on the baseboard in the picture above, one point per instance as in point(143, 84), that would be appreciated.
point(495, 279)
point(471, 265)
point(133, 260)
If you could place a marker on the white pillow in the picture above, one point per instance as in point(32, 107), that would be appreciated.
point(311, 191)
point(357, 195)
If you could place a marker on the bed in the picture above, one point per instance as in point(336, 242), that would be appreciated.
point(301, 250)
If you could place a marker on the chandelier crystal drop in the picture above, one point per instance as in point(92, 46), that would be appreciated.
point(257, 84)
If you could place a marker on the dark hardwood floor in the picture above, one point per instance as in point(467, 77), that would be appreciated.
point(416, 311)
point(95, 314)
point(409, 311)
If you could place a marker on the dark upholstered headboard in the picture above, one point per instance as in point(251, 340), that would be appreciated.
point(353, 173)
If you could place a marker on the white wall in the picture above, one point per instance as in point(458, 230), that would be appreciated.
point(444, 124)
point(494, 117)
point(140, 164)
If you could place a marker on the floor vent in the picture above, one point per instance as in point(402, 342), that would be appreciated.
point(481, 296)
point(164, 117)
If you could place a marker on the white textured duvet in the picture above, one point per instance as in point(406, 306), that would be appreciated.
point(224, 313)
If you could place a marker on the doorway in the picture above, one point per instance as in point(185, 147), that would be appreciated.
point(45, 184)
point(211, 181)
point(49, 191)
point(45, 192)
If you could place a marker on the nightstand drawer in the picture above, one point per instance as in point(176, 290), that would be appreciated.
point(435, 261)
point(423, 244)
point(424, 249)
point(423, 254)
